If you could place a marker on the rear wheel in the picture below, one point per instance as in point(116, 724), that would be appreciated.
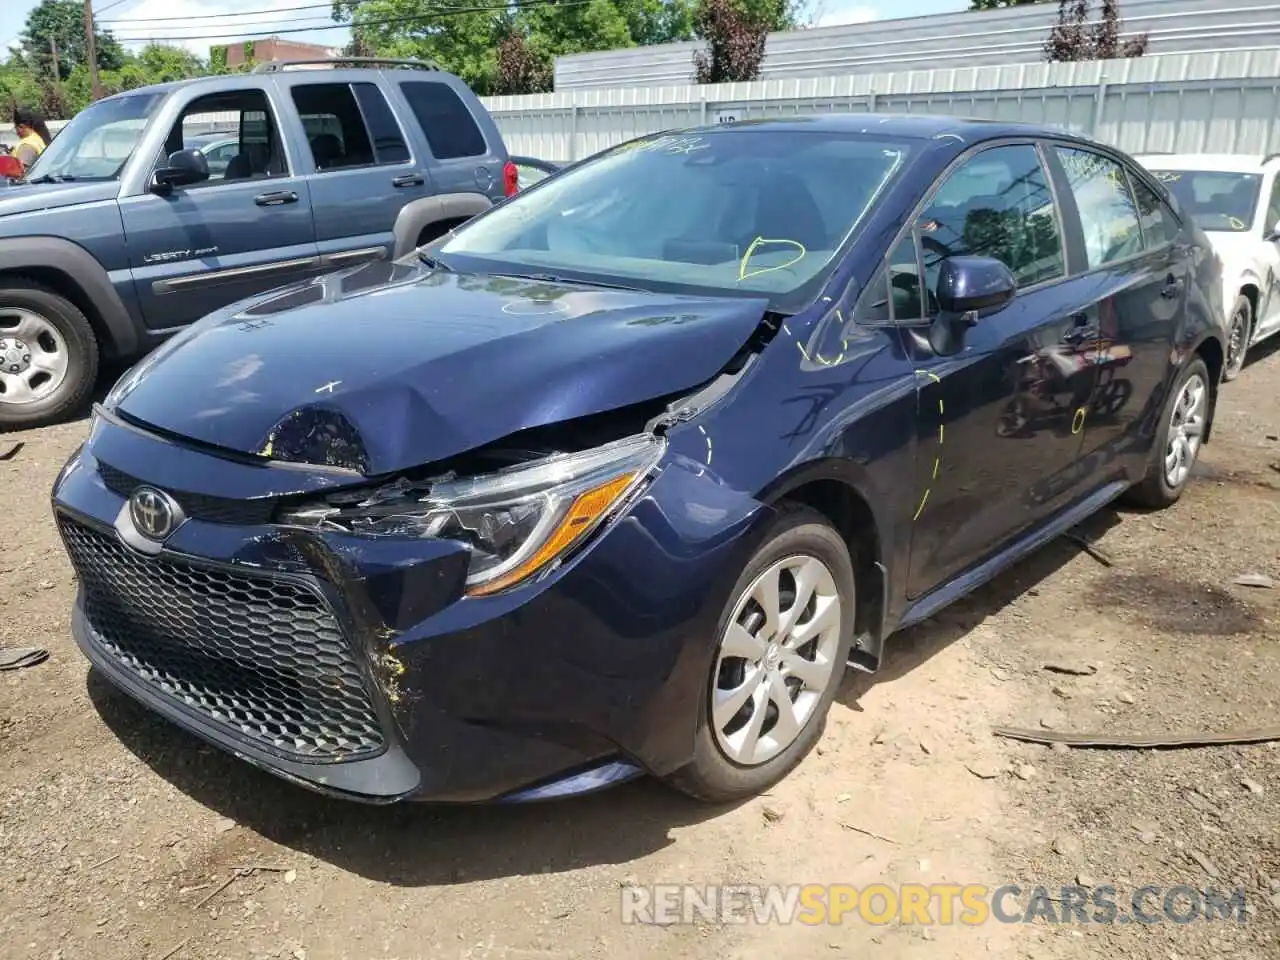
point(781, 650)
point(1173, 455)
point(48, 356)
point(1239, 330)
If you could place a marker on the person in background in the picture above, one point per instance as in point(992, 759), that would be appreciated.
point(33, 136)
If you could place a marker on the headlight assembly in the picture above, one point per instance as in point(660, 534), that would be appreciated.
point(518, 521)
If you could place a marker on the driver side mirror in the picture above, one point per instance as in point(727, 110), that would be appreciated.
point(968, 288)
point(981, 285)
point(183, 168)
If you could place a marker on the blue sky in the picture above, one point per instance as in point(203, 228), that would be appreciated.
point(172, 20)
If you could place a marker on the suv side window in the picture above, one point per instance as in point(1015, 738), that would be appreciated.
point(446, 122)
point(388, 142)
point(1108, 212)
point(1159, 225)
point(335, 127)
point(998, 204)
point(259, 154)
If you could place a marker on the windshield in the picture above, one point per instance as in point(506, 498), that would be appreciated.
point(97, 141)
point(1215, 199)
point(727, 211)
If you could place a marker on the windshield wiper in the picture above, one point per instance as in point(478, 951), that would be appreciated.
point(572, 281)
point(435, 263)
point(50, 178)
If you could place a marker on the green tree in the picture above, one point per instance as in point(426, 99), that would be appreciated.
point(19, 87)
point(463, 43)
point(468, 43)
point(60, 24)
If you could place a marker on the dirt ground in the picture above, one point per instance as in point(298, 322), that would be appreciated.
point(120, 836)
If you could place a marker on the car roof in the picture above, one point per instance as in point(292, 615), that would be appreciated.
point(905, 126)
point(1224, 162)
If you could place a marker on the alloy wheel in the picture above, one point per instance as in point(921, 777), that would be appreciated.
point(776, 658)
point(33, 356)
point(1186, 428)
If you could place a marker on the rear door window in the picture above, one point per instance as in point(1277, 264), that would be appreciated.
point(388, 144)
point(1159, 225)
point(1108, 211)
point(446, 122)
point(335, 127)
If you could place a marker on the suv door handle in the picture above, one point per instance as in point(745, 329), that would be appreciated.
point(409, 180)
point(275, 198)
point(1172, 287)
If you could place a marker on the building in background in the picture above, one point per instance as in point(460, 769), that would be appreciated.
point(275, 48)
point(1010, 35)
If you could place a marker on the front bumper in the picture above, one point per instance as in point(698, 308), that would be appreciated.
point(570, 684)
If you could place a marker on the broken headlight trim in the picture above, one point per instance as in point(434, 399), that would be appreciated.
point(518, 521)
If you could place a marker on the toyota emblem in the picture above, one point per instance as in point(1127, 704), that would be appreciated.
point(155, 514)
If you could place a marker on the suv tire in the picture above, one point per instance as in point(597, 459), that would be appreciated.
point(56, 328)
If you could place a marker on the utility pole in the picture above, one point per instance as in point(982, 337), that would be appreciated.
point(53, 48)
point(91, 50)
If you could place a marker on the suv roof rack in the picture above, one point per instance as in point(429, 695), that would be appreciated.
point(277, 66)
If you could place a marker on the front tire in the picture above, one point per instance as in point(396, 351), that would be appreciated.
point(781, 648)
point(48, 356)
point(1240, 329)
point(1178, 442)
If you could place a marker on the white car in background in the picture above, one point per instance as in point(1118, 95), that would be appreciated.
point(1236, 200)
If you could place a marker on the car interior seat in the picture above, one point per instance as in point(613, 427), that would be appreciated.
point(327, 151)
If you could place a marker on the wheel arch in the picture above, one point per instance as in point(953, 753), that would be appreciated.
point(1210, 350)
point(417, 216)
point(841, 492)
point(72, 272)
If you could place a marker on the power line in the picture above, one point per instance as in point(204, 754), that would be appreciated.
point(116, 3)
point(332, 25)
point(217, 16)
point(271, 13)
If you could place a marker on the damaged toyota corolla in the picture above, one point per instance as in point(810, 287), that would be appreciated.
point(618, 477)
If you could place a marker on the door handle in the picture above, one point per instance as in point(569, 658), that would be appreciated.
point(409, 180)
point(1172, 287)
point(275, 198)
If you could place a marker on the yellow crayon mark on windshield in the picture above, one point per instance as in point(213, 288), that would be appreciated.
point(757, 243)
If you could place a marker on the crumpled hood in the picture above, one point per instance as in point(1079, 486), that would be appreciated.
point(33, 197)
point(389, 366)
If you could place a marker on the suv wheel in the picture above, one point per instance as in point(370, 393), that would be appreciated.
point(780, 655)
point(48, 356)
point(1177, 444)
point(1239, 330)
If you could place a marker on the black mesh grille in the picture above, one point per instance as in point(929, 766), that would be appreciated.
point(198, 506)
point(262, 657)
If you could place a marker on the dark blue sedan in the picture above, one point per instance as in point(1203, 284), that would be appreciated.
point(620, 475)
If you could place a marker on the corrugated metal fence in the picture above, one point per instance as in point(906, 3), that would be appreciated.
point(969, 38)
point(1212, 102)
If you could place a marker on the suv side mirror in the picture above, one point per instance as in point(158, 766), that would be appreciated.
point(183, 168)
point(968, 288)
